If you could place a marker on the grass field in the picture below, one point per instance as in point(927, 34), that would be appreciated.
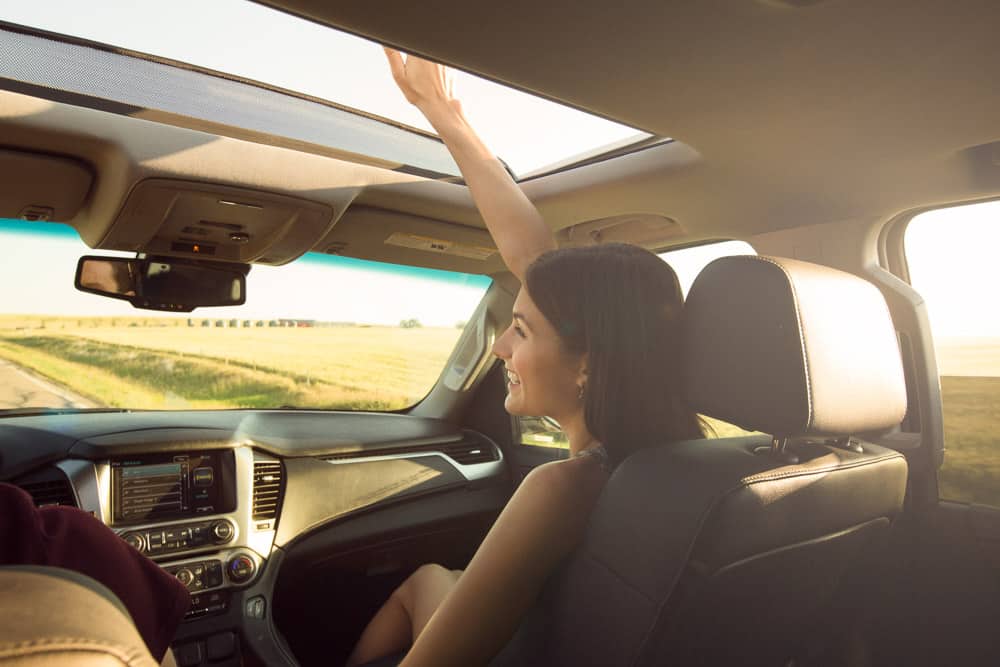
point(129, 363)
point(162, 363)
point(971, 470)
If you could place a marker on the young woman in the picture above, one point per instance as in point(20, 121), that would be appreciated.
point(592, 345)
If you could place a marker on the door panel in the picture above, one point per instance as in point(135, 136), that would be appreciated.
point(942, 590)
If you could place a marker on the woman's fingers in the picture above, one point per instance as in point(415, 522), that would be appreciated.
point(421, 81)
point(398, 68)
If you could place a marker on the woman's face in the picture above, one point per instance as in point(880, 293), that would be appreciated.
point(543, 378)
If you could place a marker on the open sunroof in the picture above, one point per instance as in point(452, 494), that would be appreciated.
point(256, 43)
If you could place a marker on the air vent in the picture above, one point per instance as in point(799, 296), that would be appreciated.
point(54, 492)
point(470, 450)
point(266, 489)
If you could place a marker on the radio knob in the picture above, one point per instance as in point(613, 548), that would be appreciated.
point(137, 540)
point(222, 531)
point(185, 576)
point(240, 568)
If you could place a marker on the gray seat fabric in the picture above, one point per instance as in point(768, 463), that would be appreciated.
point(723, 551)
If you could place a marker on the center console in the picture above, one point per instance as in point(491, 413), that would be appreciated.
point(206, 512)
point(191, 511)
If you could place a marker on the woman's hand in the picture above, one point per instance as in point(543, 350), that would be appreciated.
point(512, 220)
point(426, 85)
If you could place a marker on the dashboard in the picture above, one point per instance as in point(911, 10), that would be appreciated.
point(218, 498)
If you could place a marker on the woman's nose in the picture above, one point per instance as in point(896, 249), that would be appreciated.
point(500, 347)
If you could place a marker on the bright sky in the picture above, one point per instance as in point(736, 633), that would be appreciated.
point(952, 255)
point(319, 287)
point(262, 44)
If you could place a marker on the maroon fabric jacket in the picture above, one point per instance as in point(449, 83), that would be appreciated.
point(70, 538)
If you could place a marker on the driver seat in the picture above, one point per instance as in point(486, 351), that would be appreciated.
point(49, 616)
point(753, 550)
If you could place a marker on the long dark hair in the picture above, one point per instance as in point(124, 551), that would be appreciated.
point(619, 305)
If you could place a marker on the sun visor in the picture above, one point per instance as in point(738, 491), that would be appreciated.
point(182, 219)
point(391, 236)
point(42, 187)
point(643, 229)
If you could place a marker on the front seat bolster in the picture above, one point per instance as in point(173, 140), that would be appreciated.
point(65, 623)
point(836, 488)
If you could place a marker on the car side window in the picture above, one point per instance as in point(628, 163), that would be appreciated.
point(951, 256)
point(687, 263)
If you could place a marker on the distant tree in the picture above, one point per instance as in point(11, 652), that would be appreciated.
point(412, 323)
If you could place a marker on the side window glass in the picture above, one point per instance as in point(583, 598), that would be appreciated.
point(687, 263)
point(951, 254)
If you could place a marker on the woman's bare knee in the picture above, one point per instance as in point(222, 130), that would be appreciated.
point(424, 577)
point(423, 591)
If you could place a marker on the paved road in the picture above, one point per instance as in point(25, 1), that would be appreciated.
point(22, 389)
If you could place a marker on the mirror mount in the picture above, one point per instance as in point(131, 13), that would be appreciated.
point(163, 283)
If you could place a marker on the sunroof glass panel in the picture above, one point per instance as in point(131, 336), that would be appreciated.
point(261, 44)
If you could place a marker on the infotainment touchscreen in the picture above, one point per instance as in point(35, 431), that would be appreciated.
point(170, 486)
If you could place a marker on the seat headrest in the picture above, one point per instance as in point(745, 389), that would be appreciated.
point(791, 348)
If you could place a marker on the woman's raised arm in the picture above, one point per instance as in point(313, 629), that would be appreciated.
point(512, 220)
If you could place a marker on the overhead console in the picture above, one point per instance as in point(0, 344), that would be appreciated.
point(199, 220)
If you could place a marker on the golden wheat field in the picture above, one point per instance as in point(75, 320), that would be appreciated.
point(336, 366)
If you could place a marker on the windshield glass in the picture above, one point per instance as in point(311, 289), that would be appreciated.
point(531, 134)
point(322, 332)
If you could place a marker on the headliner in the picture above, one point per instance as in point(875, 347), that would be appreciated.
point(833, 110)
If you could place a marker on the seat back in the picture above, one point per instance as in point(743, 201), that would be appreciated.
point(741, 550)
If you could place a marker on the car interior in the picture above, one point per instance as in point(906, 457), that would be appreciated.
point(816, 532)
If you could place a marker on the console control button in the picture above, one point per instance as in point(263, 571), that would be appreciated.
point(222, 531)
point(240, 568)
point(137, 540)
point(155, 541)
point(185, 576)
point(255, 607)
point(213, 574)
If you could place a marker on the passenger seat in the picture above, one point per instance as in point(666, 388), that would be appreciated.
point(752, 550)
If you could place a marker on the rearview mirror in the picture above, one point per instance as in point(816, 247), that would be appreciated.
point(163, 283)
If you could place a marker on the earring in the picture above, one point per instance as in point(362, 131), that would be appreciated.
point(580, 393)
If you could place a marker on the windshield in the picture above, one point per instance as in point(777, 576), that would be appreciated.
point(322, 332)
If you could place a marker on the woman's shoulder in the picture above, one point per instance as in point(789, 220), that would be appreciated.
point(573, 477)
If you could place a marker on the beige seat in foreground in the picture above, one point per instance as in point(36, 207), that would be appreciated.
point(50, 616)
